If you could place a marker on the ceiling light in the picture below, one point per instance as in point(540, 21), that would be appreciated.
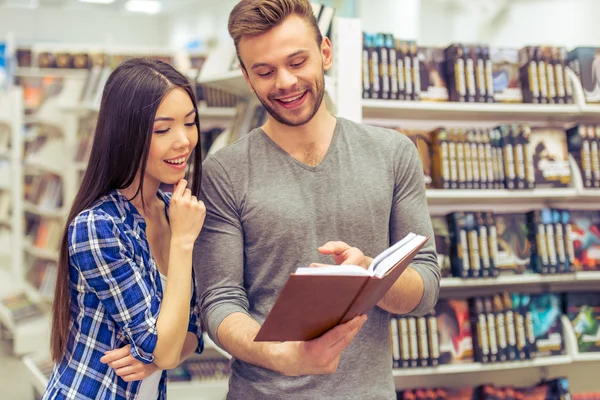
point(98, 1)
point(143, 6)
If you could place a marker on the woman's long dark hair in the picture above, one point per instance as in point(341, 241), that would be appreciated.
point(122, 139)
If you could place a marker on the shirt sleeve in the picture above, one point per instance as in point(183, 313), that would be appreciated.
point(103, 257)
point(195, 324)
point(219, 251)
point(411, 214)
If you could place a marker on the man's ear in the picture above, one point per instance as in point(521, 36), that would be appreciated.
point(327, 53)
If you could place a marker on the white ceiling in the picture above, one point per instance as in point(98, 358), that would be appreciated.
point(167, 6)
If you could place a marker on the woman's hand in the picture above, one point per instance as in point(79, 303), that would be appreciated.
point(127, 367)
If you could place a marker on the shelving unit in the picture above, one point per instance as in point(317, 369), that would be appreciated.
point(350, 105)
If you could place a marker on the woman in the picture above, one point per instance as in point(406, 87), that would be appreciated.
point(116, 326)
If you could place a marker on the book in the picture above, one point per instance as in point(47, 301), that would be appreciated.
point(348, 291)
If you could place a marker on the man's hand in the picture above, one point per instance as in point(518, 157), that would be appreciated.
point(343, 253)
point(127, 367)
point(319, 356)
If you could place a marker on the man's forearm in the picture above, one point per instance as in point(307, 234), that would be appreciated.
point(405, 295)
point(237, 332)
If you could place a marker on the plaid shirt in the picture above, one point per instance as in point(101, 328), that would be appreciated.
point(116, 295)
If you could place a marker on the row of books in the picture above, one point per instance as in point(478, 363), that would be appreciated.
point(498, 328)
point(44, 190)
point(21, 307)
point(42, 275)
point(197, 369)
point(546, 241)
point(556, 389)
point(397, 69)
point(44, 233)
point(505, 157)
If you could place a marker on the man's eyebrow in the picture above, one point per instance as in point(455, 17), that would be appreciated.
point(294, 54)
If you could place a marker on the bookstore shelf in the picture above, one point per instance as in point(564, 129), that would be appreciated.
point(50, 72)
point(41, 253)
point(216, 112)
point(479, 367)
point(453, 111)
point(35, 165)
point(509, 280)
point(459, 196)
point(587, 357)
point(43, 212)
point(36, 378)
point(587, 276)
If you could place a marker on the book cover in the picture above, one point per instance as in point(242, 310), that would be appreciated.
point(585, 62)
point(586, 239)
point(514, 247)
point(432, 74)
point(583, 310)
point(546, 310)
point(505, 75)
point(349, 291)
point(550, 157)
point(456, 340)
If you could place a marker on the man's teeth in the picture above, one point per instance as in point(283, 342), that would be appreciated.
point(177, 161)
point(291, 100)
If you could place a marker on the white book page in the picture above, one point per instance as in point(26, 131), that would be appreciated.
point(397, 253)
point(345, 270)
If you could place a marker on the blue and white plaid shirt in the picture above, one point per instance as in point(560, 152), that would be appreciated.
point(116, 295)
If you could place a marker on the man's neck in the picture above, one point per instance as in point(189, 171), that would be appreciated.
point(307, 143)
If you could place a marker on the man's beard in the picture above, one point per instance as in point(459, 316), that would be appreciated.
point(320, 92)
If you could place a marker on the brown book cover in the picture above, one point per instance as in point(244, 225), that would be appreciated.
point(310, 305)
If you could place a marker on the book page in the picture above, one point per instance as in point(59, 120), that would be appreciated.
point(381, 265)
point(346, 270)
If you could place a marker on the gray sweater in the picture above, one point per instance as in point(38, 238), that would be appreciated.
point(267, 214)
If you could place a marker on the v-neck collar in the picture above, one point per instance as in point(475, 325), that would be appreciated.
point(330, 151)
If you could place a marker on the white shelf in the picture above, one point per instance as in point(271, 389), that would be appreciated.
point(588, 276)
point(460, 196)
point(55, 72)
point(217, 112)
point(36, 378)
point(508, 280)
point(478, 367)
point(591, 112)
point(453, 111)
point(41, 253)
point(4, 153)
point(198, 390)
point(37, 210)
point(40, 166)
point(587, 357)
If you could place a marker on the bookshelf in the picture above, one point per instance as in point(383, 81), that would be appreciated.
point(452, 111)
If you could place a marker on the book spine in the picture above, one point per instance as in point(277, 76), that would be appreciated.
point(424, 353)
point(489, 160)
point(479, 324)
point(483, 177)
point(468, 159)
point(474, 250)
point(493, 243)
point(511, 332)
point(528, 154)
point(509, 161)
point(414, 341)
point(395, 340)
point(594, 155)
point(484, 245)
point(434, 341)
point(537, 237)
point(561, 248)
point(491, 328)
point(550, 241)
point(569, 240)
point(498, 307)
point(405, 353)
point(543, 79)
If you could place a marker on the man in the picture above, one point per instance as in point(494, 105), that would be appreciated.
point(286, 195)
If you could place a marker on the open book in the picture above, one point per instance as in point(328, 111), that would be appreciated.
point(314, 300)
